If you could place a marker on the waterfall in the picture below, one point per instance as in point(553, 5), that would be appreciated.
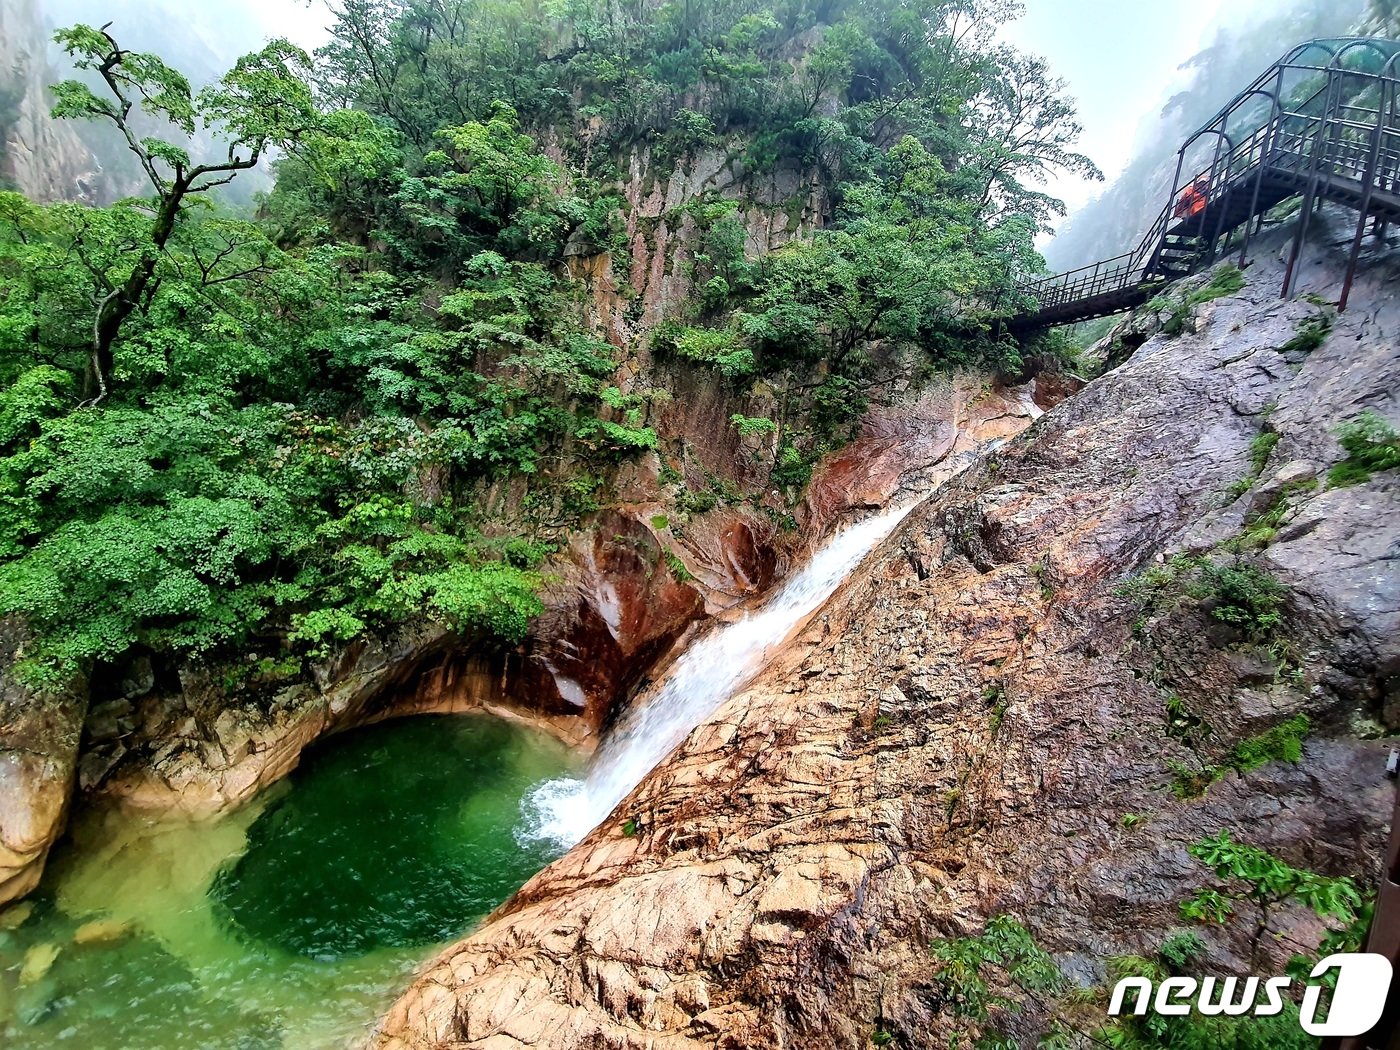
point(706, 674)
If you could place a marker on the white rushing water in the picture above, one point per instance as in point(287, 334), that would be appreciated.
point(706, 674)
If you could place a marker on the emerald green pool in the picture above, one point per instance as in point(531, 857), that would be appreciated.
point(289, 924)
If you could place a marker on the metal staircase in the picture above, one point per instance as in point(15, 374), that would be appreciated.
point(1321, 123)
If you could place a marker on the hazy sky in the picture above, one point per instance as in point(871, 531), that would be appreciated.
point(301, 21)
point(1118, 59)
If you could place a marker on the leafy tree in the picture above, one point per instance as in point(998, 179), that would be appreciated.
point(974, 971)
point(1024, 130)
point(908, 258)
point(494, 190)
point(260, 103)
point(1256, 876)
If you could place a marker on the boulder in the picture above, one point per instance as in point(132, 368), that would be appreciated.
point(39, 737)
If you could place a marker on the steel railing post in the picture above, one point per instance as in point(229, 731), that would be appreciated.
point(1310, 196)
point(1367, 183)
point(1266, 152)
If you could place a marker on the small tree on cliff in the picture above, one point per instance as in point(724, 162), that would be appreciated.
point(263, 102)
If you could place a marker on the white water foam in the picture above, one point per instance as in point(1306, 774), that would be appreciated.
point(706, 674)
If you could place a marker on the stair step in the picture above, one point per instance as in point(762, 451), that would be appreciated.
point(1235, 199)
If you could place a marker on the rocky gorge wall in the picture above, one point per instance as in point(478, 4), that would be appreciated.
point(627, 592)
point(633, 581)
point(962, 731)
point(652, 276)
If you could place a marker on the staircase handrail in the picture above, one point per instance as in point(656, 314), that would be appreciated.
point(1270, 139)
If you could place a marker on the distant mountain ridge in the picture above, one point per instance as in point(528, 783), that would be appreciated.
point(47, 159)
point(42, 158)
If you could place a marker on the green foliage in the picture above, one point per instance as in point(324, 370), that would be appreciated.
point(1207, 906)
point(1054, 349)
point(322, 630)
point(1243, 596)
point(1177, 313)
point(264, 102)
point(687, 77)
point(720, 268)
point(37, 395)
point(1196, 1031)
point(1042, 573)
point(1249, 876)
point(1182, 949)
point(791, 469)
point(995, 695)
point(194, 511)
point(494, 598)
point(906, 257)
point(1236, 593)
point(933, 228)
point(1311, 333)
point(750, 425)
point(1192, 783)
point(980, 977)
point(1371, 445)
point(716, 348)
point(1253, 874)
point(1086, 333)
point(1282, 743)
point(1261, 527)
point(580, 496)
point(490, 188)
point(1150, 587)
point(1182, 723)
point(677, 567)
point(1259, 451)
point(1227, 279)
point(603, 435)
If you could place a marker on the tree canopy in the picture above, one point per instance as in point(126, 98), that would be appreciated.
point(280, 431)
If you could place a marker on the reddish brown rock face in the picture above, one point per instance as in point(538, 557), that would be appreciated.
point(617, 609)
point(867, 472)
point(913, 446)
